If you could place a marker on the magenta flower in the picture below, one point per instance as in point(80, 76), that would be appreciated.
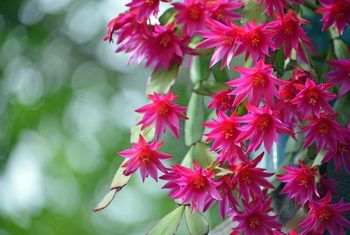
point(134, 38)
point(335, 12)
point(118, 23)
point(193, 186)
point(192, 14)
point(256, 218)
point(255, 84)
point(287, 92)
point(289, 34)
point(300, 183)
point(271, 5)
point(262, 125)
point(299, 75)
point(325, 216)
point(223, 38)
point(165, 47)
point(340, 152)
point(250, 179)
point(158, 45)
point(227, 206)
point(163, 113)
point(224, 133)
point(222, 101)
point(256, 41)
point(145, 8)
point(226, 189)
point(313, 98)
point(144, 156)
point(325, 131)
point(223, 10)
point(340, 74)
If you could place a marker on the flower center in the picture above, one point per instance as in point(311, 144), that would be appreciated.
point(229, 133)
point(194, 13)
point(254, 222)
point(164, 40)
point(219, 14)
point(313, 97)
point(149, 2)
point(145, 157)
point(259, 79)
point(324, 214)
point(163, 109)
point(264, 122)
point(255, 38)
point(246, 178)
point(303, 181)
point(338, 10)
point(323, 129)
point(289, 28)
point(342, 149)
point(198, 183)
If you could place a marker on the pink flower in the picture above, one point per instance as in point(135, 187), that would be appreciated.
point(287, 92)
point(118, 23)
point(165, 47)
point(313, 98)
point(222, 10)
point(340, 152)
point(256, 41)
point(227, 206)
point(224, 133)
point(300, 75)
point(256, 218)
point(325, 216)
point(335, 12)
point(158, 45)
point(134, 38)
point(255, 83)
point(145, 8)
point(193, 186)
point(289, 34)
point(192, 14)
point(271, 5)
point(145, 156)
point(340, 74)
point(222, 101)
point(163, 113)
point(223, 38)
point(250, 179)
point(262, 125)
point(226, 189)
point(300, 183)
point(324, 130)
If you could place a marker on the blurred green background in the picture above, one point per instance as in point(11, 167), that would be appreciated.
point(66, 106)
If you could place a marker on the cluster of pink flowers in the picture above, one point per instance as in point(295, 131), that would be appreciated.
point(272, 107)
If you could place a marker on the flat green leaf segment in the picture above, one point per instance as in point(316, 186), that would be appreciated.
point(195, 114)
point(118, 182)
point(200, 153)
point(169, 223)
point(200, 68)
point(148, 133)
point(196, 222)
point(162, 80)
